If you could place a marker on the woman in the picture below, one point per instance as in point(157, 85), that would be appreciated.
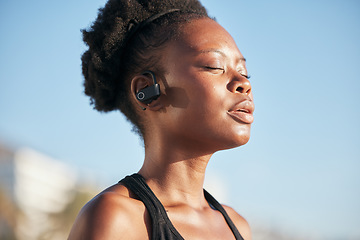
point(179, 77)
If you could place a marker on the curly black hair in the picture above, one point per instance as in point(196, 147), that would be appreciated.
point(112, 59)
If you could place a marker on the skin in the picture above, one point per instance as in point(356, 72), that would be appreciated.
point(196, 115)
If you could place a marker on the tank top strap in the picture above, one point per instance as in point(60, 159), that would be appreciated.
point(213, 202)
point(162, 228)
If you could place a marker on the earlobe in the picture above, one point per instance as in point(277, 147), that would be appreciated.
point(155, 105)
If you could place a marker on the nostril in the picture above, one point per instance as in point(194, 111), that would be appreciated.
point(243, 90)
point(240, 89)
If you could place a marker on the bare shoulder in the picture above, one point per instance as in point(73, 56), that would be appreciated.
point(112, 214)
point(241, 224)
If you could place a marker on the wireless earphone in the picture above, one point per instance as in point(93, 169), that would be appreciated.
point(150, 93)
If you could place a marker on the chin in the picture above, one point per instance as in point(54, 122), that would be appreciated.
point(235, 142)
point(242, 135)
point(242, 141)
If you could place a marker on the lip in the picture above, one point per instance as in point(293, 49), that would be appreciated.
point(243, 112)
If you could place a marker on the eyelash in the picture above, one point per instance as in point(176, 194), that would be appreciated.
point(246, 76)
point(214, 68)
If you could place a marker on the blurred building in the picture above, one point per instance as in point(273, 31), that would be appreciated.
point(33, 187)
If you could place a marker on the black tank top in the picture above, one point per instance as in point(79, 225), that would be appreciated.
point(162, 228)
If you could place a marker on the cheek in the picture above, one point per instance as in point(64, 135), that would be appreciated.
point(191, 90)
point(194, 100)
point(207, 104)
point(205, 92)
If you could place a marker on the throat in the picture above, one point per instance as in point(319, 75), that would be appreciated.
point(177, 183)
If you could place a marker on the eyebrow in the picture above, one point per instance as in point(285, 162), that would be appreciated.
point(219, 52)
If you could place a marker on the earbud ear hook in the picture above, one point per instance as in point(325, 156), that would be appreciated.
point(150, 93)
point(151, 73)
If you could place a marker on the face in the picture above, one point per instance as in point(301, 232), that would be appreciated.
point(209, 98)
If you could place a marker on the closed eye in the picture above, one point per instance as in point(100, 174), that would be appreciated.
point(214, 69)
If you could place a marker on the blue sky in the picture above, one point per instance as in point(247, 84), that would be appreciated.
point(300, 171)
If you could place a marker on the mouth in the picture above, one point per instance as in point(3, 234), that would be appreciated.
point(243, 112)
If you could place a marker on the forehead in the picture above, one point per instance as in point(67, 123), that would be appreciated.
point(202, 35)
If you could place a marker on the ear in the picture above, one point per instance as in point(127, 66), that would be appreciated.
point(138, 83)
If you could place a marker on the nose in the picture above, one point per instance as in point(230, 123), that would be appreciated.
point(240, 84)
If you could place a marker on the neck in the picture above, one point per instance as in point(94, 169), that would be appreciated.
point(176, 174)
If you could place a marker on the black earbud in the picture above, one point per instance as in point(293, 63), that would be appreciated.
point(150, 93)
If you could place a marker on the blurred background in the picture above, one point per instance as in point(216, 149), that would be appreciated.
point(297, 178)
